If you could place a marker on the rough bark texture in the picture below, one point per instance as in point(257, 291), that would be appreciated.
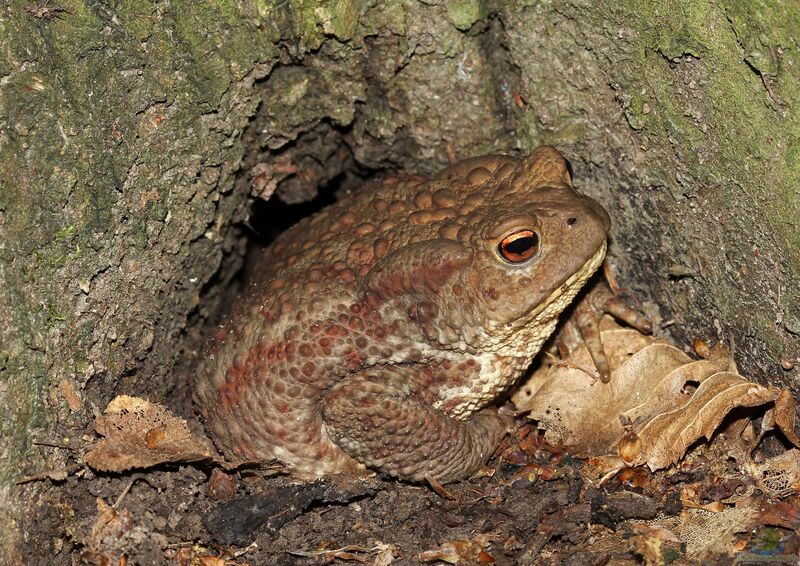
point(134, 136)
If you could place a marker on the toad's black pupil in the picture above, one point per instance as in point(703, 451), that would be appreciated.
point(521, 245)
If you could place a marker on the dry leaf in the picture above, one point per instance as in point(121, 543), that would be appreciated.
point(461, 551)
point(778, 476)
point(664, 440)
point(708, 537)
point(111, 528)
point(708, 534)
point(110, 523)
point(619, 344)
point(384, 554)
point(658, 403)
point(140, 434)
point(784, 514)
point(783, 416)
point(585, 415)
point(655, 531)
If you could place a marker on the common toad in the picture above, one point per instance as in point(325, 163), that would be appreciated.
point(379, 329)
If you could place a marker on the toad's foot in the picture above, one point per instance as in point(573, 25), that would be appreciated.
point(584, 325)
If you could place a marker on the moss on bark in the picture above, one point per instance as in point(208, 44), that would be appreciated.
point(134, 133)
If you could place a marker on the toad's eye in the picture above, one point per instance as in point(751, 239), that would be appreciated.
point(519, 246)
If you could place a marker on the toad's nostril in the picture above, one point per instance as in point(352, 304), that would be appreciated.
point(571, 221)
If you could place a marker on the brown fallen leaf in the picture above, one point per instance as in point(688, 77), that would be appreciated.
point(141, 434)
point(72, 398)
point(783, 416)
point(784, 514)
point(704, 537)
point(110, 531)
point(658, 403)
point(382, 553)
point(386, 554)
point(665, 438)
point(655, 531)
point(461, 551)
point(585, 416)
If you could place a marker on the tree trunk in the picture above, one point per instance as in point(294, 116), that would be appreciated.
point(135, 136)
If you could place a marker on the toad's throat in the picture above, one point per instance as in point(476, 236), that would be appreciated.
point(527, 334)
point(512, 348)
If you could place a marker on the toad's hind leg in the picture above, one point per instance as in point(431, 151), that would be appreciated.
point(378, 418)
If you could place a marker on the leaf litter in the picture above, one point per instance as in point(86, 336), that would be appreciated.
point(659, 404)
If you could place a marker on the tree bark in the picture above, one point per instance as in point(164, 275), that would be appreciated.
point(135, 135)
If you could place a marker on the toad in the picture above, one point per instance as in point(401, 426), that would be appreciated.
point(377, 332)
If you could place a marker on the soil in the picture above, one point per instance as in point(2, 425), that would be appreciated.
point(544, 508)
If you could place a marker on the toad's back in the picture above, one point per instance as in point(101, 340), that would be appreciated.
point(391, 310)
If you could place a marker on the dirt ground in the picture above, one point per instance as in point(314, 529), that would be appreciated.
point(535, 505)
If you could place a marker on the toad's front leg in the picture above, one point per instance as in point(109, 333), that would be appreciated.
point(584, 324)
point(380, 417)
